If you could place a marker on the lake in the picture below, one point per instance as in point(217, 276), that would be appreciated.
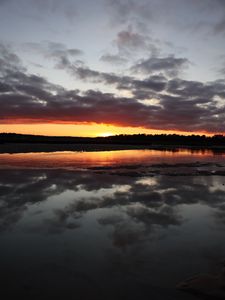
point(128, 224)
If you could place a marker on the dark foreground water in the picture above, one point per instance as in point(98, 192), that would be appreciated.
point(121, 225)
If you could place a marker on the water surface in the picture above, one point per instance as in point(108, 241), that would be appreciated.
point(107, 158)
point(121, 225)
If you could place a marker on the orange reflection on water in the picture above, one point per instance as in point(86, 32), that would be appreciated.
point(105, 158)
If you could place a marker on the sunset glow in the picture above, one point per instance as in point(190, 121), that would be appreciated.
point(84, 130)
point(112, 149)
point(105, 134)
point(103, 158)
point(84, 68)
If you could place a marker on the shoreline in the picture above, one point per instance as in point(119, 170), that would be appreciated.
point(11, 148)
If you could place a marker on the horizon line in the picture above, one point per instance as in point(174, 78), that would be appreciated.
point(114, 135)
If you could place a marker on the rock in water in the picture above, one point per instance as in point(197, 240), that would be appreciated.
point(205, 285)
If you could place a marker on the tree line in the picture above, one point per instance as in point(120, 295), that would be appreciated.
point(123, 139)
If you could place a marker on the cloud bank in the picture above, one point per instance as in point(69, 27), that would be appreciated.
point(160, 100)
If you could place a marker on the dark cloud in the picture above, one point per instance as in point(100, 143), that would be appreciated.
point(58, 52)
point(81, 71)
point(4, 87)
point(114, 59)
point(146, 88)
point(182, 105)
point(170, 65)
point(56, 49)
point(9, 62)
point(129, 41)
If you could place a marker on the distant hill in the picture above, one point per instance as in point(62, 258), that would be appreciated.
point(137, 139)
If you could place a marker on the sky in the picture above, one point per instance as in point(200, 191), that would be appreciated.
point(96, 68)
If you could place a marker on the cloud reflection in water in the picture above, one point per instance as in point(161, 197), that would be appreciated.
point(127, 225)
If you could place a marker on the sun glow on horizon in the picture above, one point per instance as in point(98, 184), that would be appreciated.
point(85, 130)
point(106, 134)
